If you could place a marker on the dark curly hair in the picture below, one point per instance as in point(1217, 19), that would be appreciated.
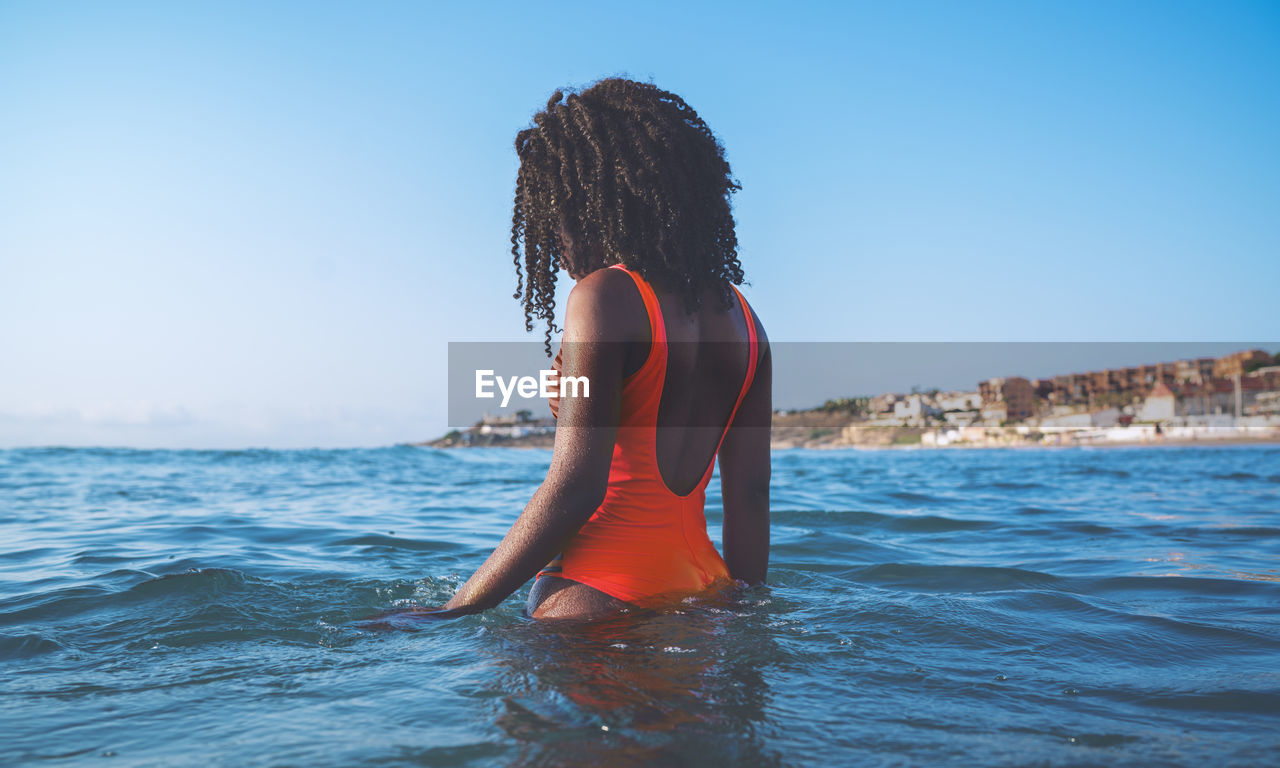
point(632, 170)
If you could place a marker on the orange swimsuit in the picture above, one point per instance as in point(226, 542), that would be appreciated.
point(644, 541)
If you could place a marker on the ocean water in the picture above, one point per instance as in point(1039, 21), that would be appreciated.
point(998, 607)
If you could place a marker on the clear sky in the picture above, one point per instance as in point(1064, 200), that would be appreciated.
point(259, 224)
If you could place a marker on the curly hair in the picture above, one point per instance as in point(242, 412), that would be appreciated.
point(634, 171)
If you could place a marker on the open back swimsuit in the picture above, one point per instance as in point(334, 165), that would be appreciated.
point(645, 541)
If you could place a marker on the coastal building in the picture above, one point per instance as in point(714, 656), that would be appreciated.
point(1098, 382)
point(909, 409)
point(1159, 405)
point(1142, 378)
point(882, 404)
point(1267, 403)
point(1195, 371)
point(961, 418)
point(914, 409)
point(514, 425)
point(1230, 397)
point(1066, 389)
point(958, 401)
point(1261, 391)
point(1106, 417)
point(995, 414)
point(1235, 364)
point(1014, 392)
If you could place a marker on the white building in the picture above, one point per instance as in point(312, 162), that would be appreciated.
point(1160, 404)
point(958, 401)
point(1109, 417)
point(910, 408)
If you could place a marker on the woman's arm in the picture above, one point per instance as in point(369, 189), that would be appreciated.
point(744, 476)
point(586, 429)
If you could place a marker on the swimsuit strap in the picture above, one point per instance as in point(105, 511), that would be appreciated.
point(657, 325)
point(754, 346)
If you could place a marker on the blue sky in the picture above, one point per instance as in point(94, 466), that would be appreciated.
point(261, 223)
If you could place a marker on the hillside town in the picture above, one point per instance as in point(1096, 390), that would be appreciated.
point(1235, 397)
point(1227, 398)
point(519, 429)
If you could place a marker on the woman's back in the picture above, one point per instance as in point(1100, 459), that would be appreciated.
point(648, 537)
point(710, 352)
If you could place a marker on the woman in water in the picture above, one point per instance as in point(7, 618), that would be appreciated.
point(626, 188)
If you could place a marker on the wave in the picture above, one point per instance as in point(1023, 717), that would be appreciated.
point(917, 498)
point(375, 541)
point(1102, 471)
point(865, 520)
point(954, 578)
point(27, 646)
point(1235, 476)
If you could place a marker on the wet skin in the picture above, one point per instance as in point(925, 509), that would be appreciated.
point(553, 597)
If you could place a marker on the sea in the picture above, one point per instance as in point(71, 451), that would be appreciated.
point(1070, 606)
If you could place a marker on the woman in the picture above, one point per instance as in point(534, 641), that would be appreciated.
point(624, 187)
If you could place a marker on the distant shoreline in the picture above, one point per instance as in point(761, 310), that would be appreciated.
point(541, 442)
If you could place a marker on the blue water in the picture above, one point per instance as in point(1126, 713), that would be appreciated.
point(1071, 606)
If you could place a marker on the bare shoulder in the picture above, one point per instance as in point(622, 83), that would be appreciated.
point(761, 337)
point(606, 305)
point(605, 285)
